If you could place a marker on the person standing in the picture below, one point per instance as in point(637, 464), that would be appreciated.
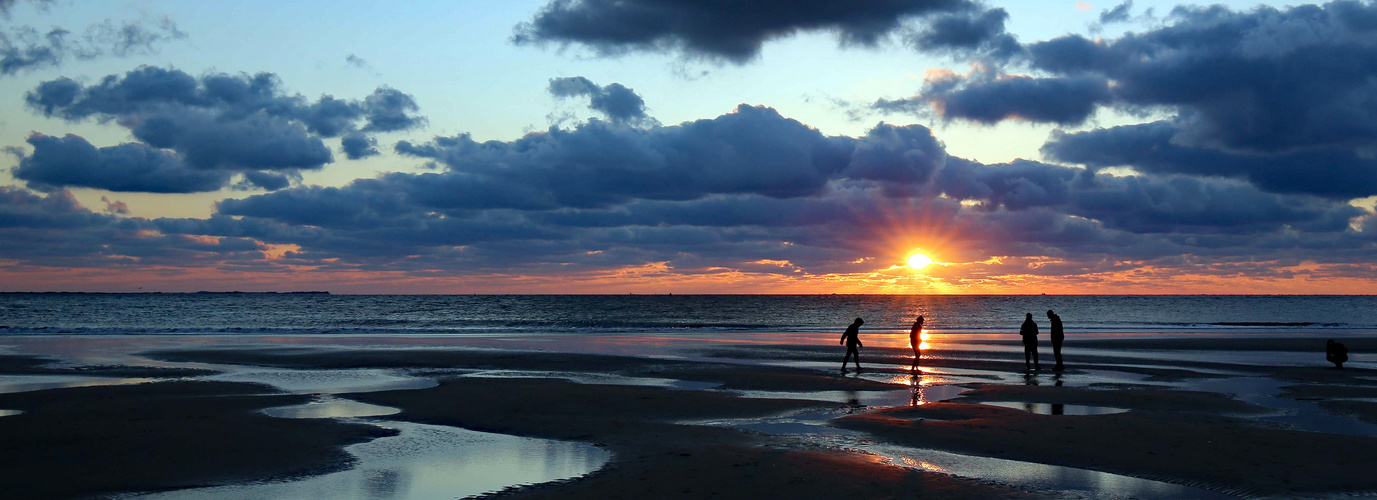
point(915, 339)
point(1057, 338)
point(1029, 332)
point(851, 337)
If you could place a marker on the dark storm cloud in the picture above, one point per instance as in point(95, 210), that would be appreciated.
point(25, 48)
point(732, 31)
point(71, 161)
point(1152, 148)
point(230, 123)
point(616, 102)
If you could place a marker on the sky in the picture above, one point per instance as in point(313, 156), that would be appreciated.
point(678, 146)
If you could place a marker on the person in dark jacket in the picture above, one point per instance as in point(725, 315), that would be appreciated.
point(851, 337)
point(1336, 353)
point(1029, 332)
point(1057, 337)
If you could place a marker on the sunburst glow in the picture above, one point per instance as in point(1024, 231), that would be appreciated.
point(918, 261)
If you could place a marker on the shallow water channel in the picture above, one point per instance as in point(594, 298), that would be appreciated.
point(425, 462)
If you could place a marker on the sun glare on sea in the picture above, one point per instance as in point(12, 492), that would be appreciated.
point(918, 261)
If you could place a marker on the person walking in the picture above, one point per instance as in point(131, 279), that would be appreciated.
point(1029, 332)
point(851, 337)
point(915, 339)
point(1057, 337)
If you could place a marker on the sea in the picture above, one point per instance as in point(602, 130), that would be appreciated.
point(316, 313)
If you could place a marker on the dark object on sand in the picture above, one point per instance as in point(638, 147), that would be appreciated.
point(1336, 353)
point(1057, 337)
point(1029, 331)
point(915, 339)
point(851, 337)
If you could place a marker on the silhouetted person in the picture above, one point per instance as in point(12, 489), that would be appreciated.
point(1336, 353)
point(1057, 337)
point(1029, 332)
point(915, 339)
point(851, 337)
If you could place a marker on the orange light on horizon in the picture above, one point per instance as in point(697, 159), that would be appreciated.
point(919, 261)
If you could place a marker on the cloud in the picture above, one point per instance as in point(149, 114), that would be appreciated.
point(970, 32)
point(24, 48)
point(1117, 14)
point(357, 62)
point(730, 31)
point(1263, 80)
point(131, 167)
point(616, 102)
point(1283, 98)
point(219, 122)
point(751, 150)
point(749, 192)
point(1066, 101)
point(559, 198)
point(358, 146)
point(1153, 148)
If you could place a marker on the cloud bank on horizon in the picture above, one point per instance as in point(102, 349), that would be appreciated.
point(1247, 171)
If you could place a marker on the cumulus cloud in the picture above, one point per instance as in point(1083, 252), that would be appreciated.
point(131, 167)
point(969, 32)
point(752, 150)
point(616, 102)
point(730, 31)
point(600, 195)
point(1152, 148)
point(1282, 98)
point(220, 124)
point(749, 191)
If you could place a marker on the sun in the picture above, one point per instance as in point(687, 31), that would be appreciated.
point(918, 261)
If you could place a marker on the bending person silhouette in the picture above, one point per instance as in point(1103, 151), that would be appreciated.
point(1057, 338)
point(1029, 332)
point(851, 337)
point(915, 339)
point(1336, 353)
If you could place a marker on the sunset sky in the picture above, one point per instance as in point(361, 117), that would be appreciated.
point(681, 146)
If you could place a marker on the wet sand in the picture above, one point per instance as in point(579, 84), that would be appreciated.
point(189, 432)
point(84, 441)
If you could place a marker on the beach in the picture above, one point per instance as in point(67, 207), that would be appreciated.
point(692, 416)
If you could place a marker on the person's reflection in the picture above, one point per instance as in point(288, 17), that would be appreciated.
point(1056, 380)
point(916, 387)
point(853, 401)
point(1058, 409)
point(1030, 379)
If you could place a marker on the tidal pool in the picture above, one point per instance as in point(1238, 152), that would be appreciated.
point(27, 383)
point(425, 462)
point(325, 381)
point(331, 407)
point(1056, 408)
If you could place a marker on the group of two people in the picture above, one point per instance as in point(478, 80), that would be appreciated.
point(1029, 332)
